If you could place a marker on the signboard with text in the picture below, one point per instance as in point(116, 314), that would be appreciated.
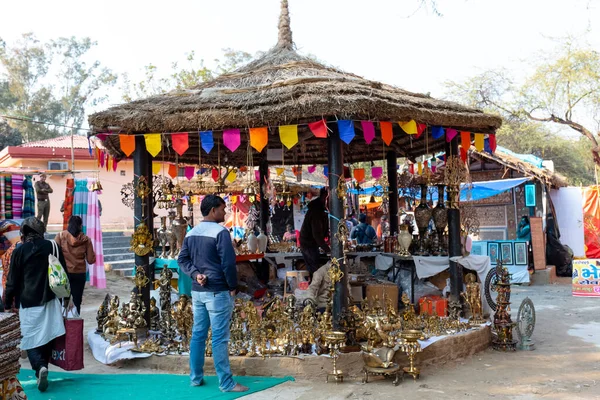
point(586, 278)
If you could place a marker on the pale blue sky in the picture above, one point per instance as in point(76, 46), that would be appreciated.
point(376, 39)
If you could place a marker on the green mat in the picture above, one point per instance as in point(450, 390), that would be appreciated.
point(68, 386)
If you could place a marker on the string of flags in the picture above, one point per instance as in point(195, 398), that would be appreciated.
point(288, 136)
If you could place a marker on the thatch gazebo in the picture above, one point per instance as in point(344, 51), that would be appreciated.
point(285, 88)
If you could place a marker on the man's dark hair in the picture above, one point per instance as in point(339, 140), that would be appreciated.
point(75, 225)
point(362, 218)
point(209, 202)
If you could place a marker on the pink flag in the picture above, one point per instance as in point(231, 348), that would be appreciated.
point(376, 172)
point(450, 133)
point(257, 175)
point(368, 131)
point(189, 172)
point(312, 169)
point(231, 139)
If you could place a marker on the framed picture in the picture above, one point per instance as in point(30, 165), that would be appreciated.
point(493, 249)
point(530, 195)
point(479, 249)
point(506, 253)
point(521, 253)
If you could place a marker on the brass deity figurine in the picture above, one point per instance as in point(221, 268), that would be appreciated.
point(154, 315)
point(102, 314)
point(472, 297)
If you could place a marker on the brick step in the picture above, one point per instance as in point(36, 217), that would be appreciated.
point(116, 250)
point(109, 258)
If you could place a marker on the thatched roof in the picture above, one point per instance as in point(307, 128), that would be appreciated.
point(283, 87)
point(545, 176)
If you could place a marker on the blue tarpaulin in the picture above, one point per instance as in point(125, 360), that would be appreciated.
point(528, 158)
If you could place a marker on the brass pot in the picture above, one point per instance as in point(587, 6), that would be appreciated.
point(378, 358)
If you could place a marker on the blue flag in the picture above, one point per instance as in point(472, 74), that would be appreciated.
point(206, 138)
point(346, 128)
point(437, 132)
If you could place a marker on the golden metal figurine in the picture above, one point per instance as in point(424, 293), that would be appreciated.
point(472, 297)
point(141, 240)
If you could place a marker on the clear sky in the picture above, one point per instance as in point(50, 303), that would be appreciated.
point(384, 40)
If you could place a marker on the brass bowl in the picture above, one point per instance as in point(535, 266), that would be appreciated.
point(335, 337)
point(378, 358)
point(411, 335)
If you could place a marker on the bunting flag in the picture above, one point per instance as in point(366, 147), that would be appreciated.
point(207, 140)
point(376, 172)
point(411, 169)
point(279, 171)
point(127, 144)
point(180, 142)
point(288, 134)
point(231, 139)
point(153, 143)
point(107, 162)
point(231, 176)
point(450, 134)
point(479, 138)
point(463, 154)
point(257, 175)
point(311, 169)
point(409, 127)
point(189, 173)
point(259, 137)
point(437, 132)
point(155, 168)
point(420, 168)
point(359, 174)
point(420, 129)
point(368, 131)
point(346, 129)
point(295, 170)
point(215, 174)
point(319, 129)
point(492, 139)
point(172, 171)
point(433, 164)
point(326, 170)
point(465, 140)
point(114, 164)
point(387, 133)
point(101, 159)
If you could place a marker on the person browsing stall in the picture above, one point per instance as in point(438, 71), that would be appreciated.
point(208, 257)
point(363, 232)
point(315, 229)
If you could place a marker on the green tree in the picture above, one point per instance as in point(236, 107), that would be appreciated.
point(49, 82)
point(194, 72)
point(9, 136)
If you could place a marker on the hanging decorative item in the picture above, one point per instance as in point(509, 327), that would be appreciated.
point(455, 173)
point(141, 240)
point(440, 218)
point(422, 217)
point(142, 190)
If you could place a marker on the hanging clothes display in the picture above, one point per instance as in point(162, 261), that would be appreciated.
point(8, 214)
point(28, 198)
point(93, 230)
point(68, 204)
point(80, 196)
point(17, 196)
point(2, 199)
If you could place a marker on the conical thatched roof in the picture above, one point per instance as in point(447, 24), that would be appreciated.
point(281, 88)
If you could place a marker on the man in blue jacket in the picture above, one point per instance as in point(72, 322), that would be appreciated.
point(207, 256)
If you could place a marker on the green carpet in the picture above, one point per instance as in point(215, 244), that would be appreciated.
point(68, 386)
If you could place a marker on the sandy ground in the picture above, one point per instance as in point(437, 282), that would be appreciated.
point(564, 365)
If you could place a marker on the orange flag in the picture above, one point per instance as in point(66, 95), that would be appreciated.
point(386, 132)
point(127, 144)
point(359, 174)
point(465, 140)
point(259, 137)
point(173, 171)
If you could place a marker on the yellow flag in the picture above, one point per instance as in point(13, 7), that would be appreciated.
point(155, 168)
point(288, 134)
point(479, 140)
point(409, 127)
point(153, 143)
point(231, 176)
point(279, 171)
point(420, 168)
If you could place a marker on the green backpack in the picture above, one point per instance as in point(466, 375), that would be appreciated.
point(57, 276)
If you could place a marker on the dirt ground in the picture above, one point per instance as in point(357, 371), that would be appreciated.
point(564, 365)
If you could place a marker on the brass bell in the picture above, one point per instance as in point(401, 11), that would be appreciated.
point(96, 186)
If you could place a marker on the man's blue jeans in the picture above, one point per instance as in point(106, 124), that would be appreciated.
point(211, 309)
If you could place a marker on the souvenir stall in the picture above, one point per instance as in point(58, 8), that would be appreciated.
point(287, 110)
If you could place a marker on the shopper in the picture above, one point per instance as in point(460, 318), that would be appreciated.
point(40, 311)
point(208, 257)
point(77, 249)
point(314, 231)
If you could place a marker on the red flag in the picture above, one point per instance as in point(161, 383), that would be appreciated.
point(173, 171)
point(215, 174)
point(319, 129)
point(463, 154)
point(420, 129)
point(492, 139)
point(180, 142)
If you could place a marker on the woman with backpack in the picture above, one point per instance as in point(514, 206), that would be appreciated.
point(77, 249)
point(40, 310)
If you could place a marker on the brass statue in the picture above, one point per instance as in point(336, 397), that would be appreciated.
point(171, 238)
point(102, 314)
point(178, 227)
point(154, 316)
point(111, 324)
point(184, 318)
point(472, 297)
point(162, 237)
point(141, 240)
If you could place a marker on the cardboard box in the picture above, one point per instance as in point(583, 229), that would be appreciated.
point(378, 289)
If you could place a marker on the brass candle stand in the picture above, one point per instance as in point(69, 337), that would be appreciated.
point(411, 346)
point(332, 339)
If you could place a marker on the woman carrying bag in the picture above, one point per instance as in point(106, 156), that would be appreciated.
point(77, 249)
point(40, 310)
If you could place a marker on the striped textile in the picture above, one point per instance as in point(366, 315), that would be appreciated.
point(28, 198)
point(17, 196)
point(68, 205)
point(2, 199)
point(93, 230)
point(8, 214)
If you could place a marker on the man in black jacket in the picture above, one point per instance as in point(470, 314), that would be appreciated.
point(315, 229)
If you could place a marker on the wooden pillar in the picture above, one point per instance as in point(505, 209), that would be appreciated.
point(392, 169)
point(336, 211)
point(142, 166)
point(454, 246)
point(263, 170)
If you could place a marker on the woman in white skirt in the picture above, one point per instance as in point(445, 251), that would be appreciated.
point(40, 311)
